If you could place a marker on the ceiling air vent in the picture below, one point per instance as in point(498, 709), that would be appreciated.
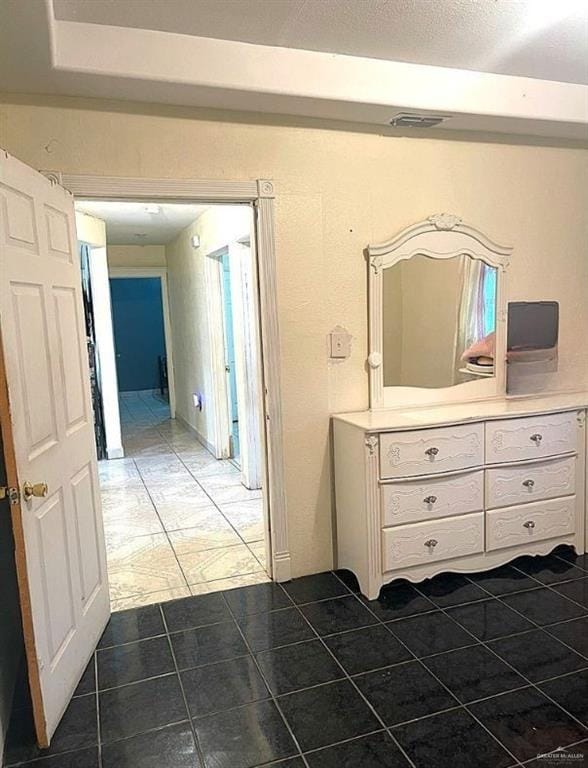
point(407, 120)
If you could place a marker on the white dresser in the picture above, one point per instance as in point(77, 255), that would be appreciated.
point(458, 488)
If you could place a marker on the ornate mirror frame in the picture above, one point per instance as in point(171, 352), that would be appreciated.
point(441, 236)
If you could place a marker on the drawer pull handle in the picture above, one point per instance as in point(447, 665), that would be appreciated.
point(528, 483)
point(536, 438)
point(431, 543)
point(430, 499)
point(432, 451)
point(529, 524)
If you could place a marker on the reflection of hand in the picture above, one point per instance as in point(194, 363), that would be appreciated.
point(483, 348)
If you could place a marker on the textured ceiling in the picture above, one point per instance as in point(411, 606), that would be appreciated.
point(545, 39)
point(133, 224)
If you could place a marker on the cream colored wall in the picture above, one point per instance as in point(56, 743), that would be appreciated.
point(337, 191)
point(136, 255)
point(217, 227)
point(90, 229)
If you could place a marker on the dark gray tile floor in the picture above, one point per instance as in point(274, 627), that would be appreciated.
point(488, 670)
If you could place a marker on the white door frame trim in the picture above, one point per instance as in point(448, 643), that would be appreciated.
point(161, 273)
point(261, 194)
point(213, 279)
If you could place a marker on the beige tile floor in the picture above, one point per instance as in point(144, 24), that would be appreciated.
point(177, 520)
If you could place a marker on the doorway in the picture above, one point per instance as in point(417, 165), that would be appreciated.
point(47, 428)
point(230, 364)
point(139, 337)
point(183, 515)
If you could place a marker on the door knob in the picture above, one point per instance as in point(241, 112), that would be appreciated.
point(39, 490)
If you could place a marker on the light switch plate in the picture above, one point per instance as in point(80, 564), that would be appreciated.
point(339, 344)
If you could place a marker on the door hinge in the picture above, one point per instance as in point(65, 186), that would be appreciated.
point(12, 494)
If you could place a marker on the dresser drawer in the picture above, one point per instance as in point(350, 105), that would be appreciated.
point(526, 523)
point(432, 541)
point(427, 451)
point(530, 438)
point(409, 501)
point(506, 486)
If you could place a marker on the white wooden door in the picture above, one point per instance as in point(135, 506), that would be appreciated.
point(59, 537)
point(248, 372)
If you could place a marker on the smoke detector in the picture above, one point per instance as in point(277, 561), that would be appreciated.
point(409, 120)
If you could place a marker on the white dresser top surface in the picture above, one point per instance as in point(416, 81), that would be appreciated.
point(428, 416)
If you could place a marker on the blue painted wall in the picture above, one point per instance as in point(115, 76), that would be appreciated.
point(137, 315)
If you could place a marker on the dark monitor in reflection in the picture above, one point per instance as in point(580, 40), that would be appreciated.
point(533, 329)
point(532, 325)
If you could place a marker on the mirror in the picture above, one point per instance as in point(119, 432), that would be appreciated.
point(439, 321)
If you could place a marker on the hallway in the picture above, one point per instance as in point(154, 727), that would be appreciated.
point(178, 522)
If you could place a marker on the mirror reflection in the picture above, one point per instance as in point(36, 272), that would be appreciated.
point(439, 318)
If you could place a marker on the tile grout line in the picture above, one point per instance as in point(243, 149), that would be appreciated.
point(155, 424)
point(350, 679)
point(186, 585)
point(98, 726)
point(265, 681)
point(494, 653)
point(317, 750)
point(535, 626)
point(197, 481)
point(182, 689)
point(378, 621)
point(544, 627)
point(460, 703)
point(304, 642)
point(213, 502)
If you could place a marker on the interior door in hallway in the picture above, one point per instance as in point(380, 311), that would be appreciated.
point(230, 364)
point(139, 338)
point(47, 429)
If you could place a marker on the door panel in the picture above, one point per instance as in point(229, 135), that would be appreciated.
point(59, 234)
point(20, 226)
point(87, 532)
point(36, 389)
point(47, 429)
point(70, 357)
point(55, 574)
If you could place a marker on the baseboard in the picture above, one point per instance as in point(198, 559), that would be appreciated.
point(281, 570)
point(201, 439)
point(115, 453)
point(130, 392)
